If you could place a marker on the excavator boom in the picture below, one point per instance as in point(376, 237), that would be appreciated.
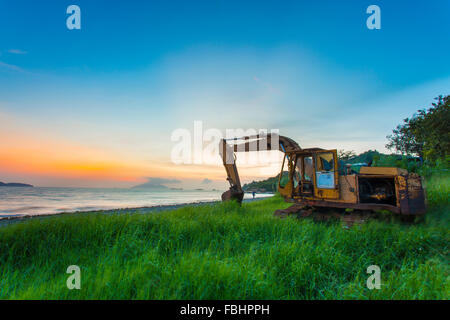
point(247, 144)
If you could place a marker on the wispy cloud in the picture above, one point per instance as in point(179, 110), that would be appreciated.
point(17, 51)
point(206, 181)
point(10, 67)
point(267, 85)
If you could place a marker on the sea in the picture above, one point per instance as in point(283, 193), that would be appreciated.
point(23, 201)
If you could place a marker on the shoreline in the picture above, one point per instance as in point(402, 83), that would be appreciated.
point(4, 221)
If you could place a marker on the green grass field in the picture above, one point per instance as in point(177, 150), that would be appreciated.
point(225, 251)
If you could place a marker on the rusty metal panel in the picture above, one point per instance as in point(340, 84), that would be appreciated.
point(383, 170)
point(411, 197)
point(348, 188)
point(402, 192)
point(416, 195)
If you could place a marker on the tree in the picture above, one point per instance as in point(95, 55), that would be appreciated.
point(426, 133)
point(352, 157)
point(346, 155)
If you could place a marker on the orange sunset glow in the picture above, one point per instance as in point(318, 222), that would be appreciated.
point(40, 155)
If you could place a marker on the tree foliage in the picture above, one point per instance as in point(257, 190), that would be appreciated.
point(346, 155)
point(426, 133)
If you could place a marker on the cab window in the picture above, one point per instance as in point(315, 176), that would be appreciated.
point(325, 162)
point(309, 169)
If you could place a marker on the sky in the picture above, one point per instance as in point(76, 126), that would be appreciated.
point(97, 107)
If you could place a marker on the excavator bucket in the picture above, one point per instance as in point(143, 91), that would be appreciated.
point(233, 195)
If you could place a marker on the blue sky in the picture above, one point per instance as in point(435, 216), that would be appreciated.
point(138, 70)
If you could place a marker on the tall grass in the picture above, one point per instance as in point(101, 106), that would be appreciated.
point(224, 251)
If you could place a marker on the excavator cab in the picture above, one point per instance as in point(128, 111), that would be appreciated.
point(312, 173)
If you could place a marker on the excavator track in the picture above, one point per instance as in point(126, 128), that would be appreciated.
point(321, 214)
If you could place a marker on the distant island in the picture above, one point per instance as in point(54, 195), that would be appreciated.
point(14, 184)
point(148, 186)
point(157, 184)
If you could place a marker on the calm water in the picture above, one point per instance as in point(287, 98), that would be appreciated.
point(34, 201)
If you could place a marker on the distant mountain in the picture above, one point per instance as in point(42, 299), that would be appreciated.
point(150, 186)
point(14, 184)
point(268, 185)
point(156, 184)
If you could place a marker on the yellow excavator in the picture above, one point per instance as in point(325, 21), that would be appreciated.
point(315, 180)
